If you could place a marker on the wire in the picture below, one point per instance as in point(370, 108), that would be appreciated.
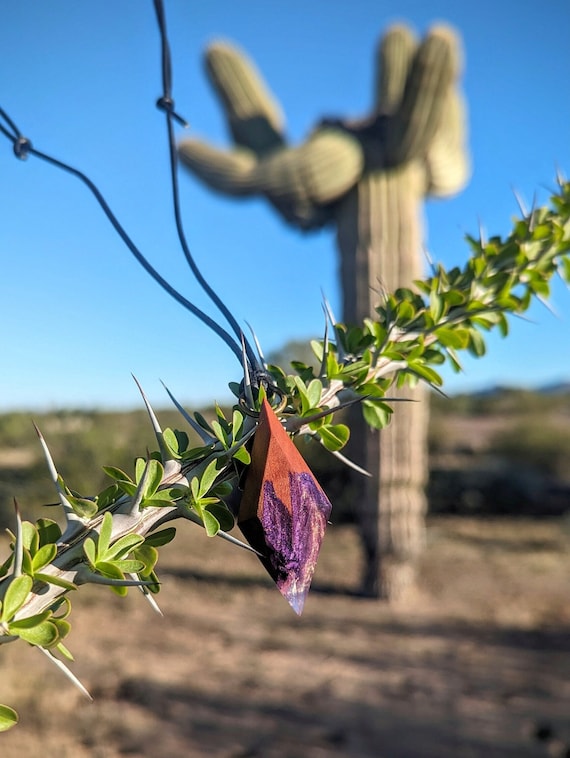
point(23, 147)
point(166, 103)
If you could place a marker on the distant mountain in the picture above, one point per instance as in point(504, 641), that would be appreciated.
point(555, 388)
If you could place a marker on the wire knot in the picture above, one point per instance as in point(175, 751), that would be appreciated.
point(166, 104)
point(22, 146)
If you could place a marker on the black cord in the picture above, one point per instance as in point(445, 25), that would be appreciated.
point(23, 147)
point(166, 103)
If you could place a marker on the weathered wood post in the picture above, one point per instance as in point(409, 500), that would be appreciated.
point(369, 178)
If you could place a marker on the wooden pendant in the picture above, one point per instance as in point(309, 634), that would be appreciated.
point(283, 511)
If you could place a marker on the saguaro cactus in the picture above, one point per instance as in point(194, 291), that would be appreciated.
point(368, 177)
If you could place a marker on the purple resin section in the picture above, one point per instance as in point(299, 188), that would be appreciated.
point(295, 536)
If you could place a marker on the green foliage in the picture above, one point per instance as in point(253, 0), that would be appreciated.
point(110, 559)
point(8, 718)
point(205, 500)
point(109, 537)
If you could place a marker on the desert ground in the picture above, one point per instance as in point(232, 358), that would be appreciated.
point(475, 662)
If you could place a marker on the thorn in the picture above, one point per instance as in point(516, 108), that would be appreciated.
point(234, 541)
point(349, 463)
point(234, 448)
point(19, 546)
point(323, 368)
point(482, 234)
point(153, 419)
point(171, 465)
point(451, 352)
point(148, 596)
point(132, 507)
point(532, 217)
point(246, 378)
point(195, 519)
point(68, 673)
point(294, 423)
point(522, 207)
point(328, 310)
point(206, 438)
point(73, 522)
point(86, 576)
point(430, 260)
point(548, 306)
point(257, 347)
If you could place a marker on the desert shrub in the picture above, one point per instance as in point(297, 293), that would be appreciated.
point(541, 444)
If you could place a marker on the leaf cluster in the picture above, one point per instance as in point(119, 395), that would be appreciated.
point(111, 538)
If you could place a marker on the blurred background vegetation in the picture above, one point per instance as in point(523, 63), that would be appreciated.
point(501, 452)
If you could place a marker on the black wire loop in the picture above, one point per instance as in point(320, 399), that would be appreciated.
point(23, 147)
point(166, 104)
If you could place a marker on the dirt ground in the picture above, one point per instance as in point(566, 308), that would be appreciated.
point(475, 663)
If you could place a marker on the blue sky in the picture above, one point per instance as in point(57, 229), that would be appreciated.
point(80, 79)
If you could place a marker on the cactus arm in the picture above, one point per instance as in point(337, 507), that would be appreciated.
point(254, 116)
point(393, 61)
point(447, 162)
point(412, 127)
point(299, 181)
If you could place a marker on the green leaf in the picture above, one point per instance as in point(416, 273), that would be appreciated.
point(176, 441)
point(107, 497)
point(48, 531)
point(208, 477)
point(376, 415)
point(565, 261)
point(314, 392)
point(243, 456)
point(90, 550)
point(117, 474)
point(45, 555)
point(57, 580)
point(223, 515)
point(148, 556)
point(219, 432)
point(211, 523)
point(154, 475)
point(45, 634)
point(334, 436)
point(105, 535)
point(30, 537)
point(457, 339)
point(110, 570)
point(477, 344)
point(157, 539)
point(129, 566)
point(63, 650)
point(15, 597)
point(237, 423)
point(436, 306)
point(5, 567)
point(317, 348)
point(235, 389)
point(121, 547)
point(223, 489)
point(83, 507)
point(29, 622)
point(427, 373)
point(162, 499)
point(8, 718)
point(27, 562)
point(63, 628)
point(202, 422)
